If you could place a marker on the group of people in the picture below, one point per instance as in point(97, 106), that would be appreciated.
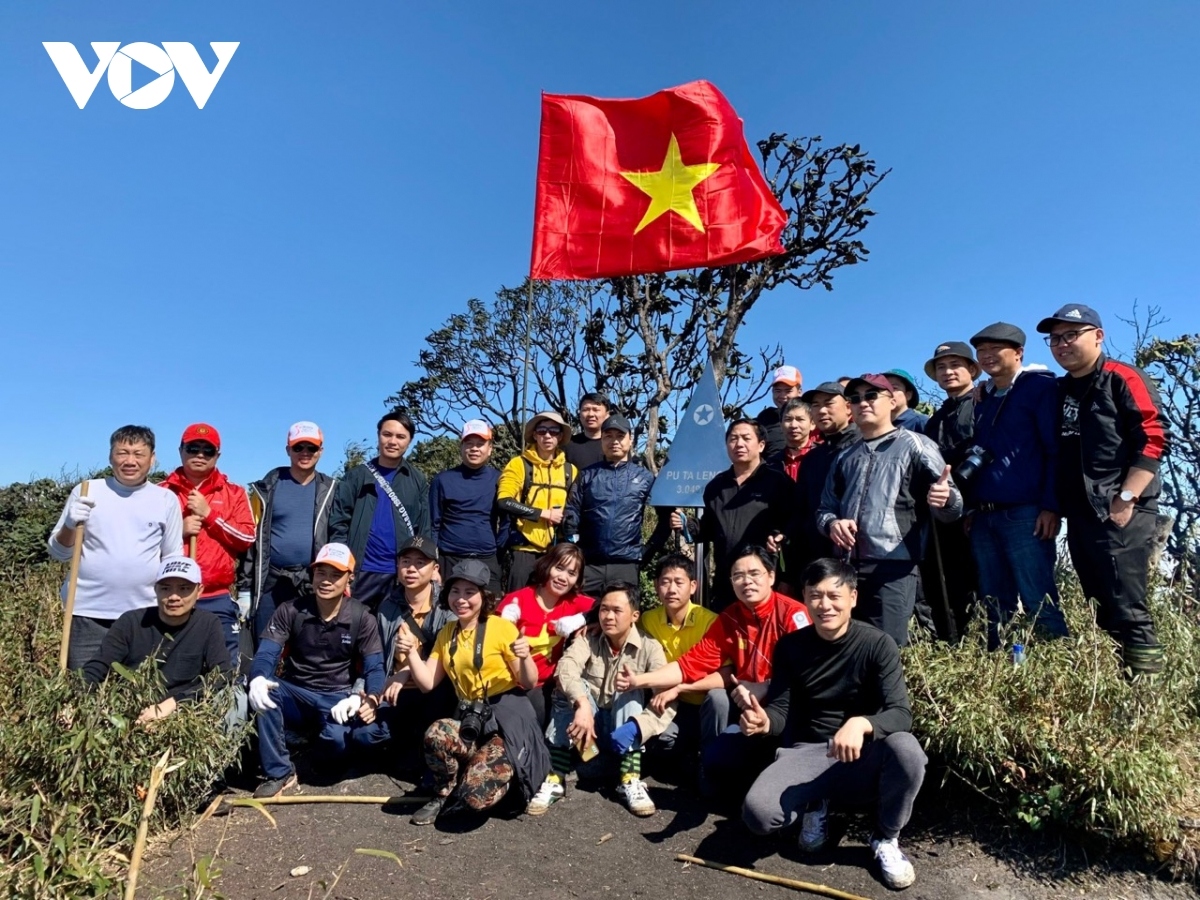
point(488, 627)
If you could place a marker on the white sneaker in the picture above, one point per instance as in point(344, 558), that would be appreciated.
point(897, 871)
point(547, 795)
point(814, 831)
point(636, 798)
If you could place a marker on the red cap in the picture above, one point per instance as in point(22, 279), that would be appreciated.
point(875, 381)
point(201, 432)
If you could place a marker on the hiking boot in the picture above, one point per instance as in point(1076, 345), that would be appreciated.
point(814, 829)
point(428, 813)
point(275, 787)
point(897, 871)
point(547, 795)
point(636, 798)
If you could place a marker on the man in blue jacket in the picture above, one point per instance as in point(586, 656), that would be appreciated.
point(606, 509)
point(1015, 512)
point(462, 506)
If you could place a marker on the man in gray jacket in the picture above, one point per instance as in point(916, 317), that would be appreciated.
point(877, 498)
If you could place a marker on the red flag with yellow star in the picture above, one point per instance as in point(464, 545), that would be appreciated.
point(650, 185)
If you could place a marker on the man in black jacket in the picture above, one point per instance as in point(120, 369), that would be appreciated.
point(1113, 440)
point(837, 697)
point(786, 383)
point(948, 571)
point(378, 506)
point(291, 506)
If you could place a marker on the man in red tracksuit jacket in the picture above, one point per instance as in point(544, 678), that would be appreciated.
point(217, 515)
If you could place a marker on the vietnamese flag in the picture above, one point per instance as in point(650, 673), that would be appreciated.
point(634, 186)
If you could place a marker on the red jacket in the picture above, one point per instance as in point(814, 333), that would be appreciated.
point(745, 637)
point(537, 624)
point(225, 534)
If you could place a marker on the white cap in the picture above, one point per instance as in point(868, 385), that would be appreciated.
point(180, 567)
point(787, 375)
point(336, 555)
point(305, 431)
point(477, 427)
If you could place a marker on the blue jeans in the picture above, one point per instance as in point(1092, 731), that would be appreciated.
point(562, 711)
point(1013, 563)
point(299, 709)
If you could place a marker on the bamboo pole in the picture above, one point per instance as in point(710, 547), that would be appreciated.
point(192, 546)
point(792, 883)
point(72, 582)
point(157, 773)
point(313, 798)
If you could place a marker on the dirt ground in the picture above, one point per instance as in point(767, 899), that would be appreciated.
point(589, 846)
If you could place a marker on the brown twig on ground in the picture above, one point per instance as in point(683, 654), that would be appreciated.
point(157, 773)
point(792, 883)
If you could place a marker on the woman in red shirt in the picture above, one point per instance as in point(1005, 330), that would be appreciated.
point(548, 612)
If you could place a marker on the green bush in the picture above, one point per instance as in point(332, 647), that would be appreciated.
point(1064, 739)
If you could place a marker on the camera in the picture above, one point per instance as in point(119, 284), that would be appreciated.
point(473, 720)
point(975, 459)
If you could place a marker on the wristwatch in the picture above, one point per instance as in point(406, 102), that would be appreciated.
point(1127, 496)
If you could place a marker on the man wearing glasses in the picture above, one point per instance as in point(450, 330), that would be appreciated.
point(877, 498)
point(1112, 440)
point(217, 514)
point(291, 505)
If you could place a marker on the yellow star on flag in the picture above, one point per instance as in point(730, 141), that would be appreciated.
point(670, 188)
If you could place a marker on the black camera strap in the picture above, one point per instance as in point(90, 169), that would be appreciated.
point(480, 630)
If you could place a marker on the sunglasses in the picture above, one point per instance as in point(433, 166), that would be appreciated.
point(305, 448)
point(548, 429)
point(208, 451)
point(865, 397)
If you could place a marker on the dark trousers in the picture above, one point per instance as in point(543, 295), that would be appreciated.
point(449, 560)
point(949, 557)
point(597, 576)
point(1113, 565)
point(887, 593)
point(398, 730)
point(372, 588)
point(87, 634)
point(539, 699)
point(889, 771)
point(223, 607)
point(299, 709)
point(682, 736)
point(521, 568)
point(279, 586)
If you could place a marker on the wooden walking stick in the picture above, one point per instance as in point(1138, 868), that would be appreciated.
point(72, 582)
point(192, 546)
point(794, 884)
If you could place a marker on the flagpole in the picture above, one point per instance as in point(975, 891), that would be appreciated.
point(525, 377)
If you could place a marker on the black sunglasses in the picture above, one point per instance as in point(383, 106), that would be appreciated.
point(199, 449)
point(869, 396)
point(547, 429)
point(305, 448)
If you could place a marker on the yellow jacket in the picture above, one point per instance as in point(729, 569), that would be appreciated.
point(547, 490)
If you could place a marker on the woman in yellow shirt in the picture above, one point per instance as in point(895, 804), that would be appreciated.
point(489, 663)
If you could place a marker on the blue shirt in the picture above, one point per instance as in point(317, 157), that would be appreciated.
point(462, 510)
point(380, 553)
point(293, 507)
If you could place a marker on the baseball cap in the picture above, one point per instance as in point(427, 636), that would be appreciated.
point(422, 545)
point(179, 567)
point(833, 388)
point(305, 431)
point(875, 381)
point(201, 432)
point(908, 383)
point(476, 428)
point(952, 348)
point(787, 375)
point(1002, 332)
point(617, 421)
point(475, 571)
point(1075, 313)
point(336, 555)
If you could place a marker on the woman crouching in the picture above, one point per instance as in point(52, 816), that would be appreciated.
point(489, 663)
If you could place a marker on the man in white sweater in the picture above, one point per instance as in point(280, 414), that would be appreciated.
point(131, 525)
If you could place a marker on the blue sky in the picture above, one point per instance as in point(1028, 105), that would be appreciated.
point(362, 169)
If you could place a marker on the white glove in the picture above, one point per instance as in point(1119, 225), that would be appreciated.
point(260, 693)
point(512, 613)
point(345, 710)
point(243, 605)
point(569, 624)
point(78, 511)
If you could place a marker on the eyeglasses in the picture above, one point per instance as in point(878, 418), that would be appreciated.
point(208, 451)
point(1065, 337)
point(548, 429)
point(752, 575)
point(305, 448)
point(867, 397)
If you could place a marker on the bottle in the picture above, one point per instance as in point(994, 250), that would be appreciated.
point(1018, 654)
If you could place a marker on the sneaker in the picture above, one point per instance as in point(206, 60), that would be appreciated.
point(814, 829)
point(547, 795)
point(634, 795)
point(428, 813)
point(897, 871)
point(274, 787)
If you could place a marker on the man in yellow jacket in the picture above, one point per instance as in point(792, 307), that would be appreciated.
point(533, 489)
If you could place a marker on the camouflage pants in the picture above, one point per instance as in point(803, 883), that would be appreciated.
point(485, 770)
